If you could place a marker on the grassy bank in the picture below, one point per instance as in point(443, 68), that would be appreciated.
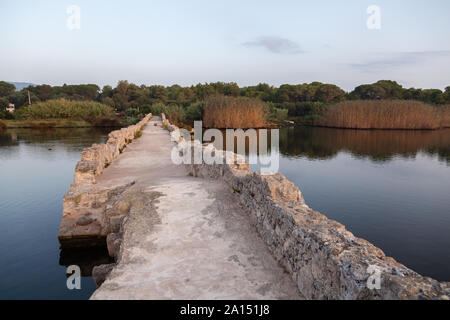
point(384, 114)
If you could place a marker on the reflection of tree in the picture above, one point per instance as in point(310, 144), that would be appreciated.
point(7, 139)
point(67, 139)
point(377, 145)
point(63, 136)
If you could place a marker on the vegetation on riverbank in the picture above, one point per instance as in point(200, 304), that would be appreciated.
point(302, 103)
point(63, 113)
point(383, 114)
point(65, 109)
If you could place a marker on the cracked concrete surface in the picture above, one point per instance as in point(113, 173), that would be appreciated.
point(187, 238)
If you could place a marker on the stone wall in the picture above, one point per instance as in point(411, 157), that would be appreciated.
point(324, 259)
point(98, 156)
point(84, 222)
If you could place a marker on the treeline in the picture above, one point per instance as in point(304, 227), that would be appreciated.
point(302, 100)
point(128, 95)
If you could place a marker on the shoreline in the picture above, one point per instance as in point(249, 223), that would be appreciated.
point(52, 124)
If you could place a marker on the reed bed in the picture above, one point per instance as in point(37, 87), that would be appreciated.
point(445, 122)
point(229, 112)
point(383, 114)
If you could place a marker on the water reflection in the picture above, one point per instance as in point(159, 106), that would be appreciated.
point(85, 258)
point(376, 145)
point(389, 187)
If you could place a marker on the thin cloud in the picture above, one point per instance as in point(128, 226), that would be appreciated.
point(399, 60)
point(275, 45)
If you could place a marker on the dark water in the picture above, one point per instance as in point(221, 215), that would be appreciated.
point(389, 187)
point(33, 181)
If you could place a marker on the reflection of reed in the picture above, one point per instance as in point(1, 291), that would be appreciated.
point(247, 141)
point(378, 145)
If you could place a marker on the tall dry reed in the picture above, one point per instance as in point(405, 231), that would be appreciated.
point(445, 123)
point(382, 114)
point(230, 112)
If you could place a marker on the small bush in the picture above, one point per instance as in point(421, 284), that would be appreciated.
point(6, 115)
point(138, 134)
point(278, 114)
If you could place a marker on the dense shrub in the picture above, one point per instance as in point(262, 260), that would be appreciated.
point(175, 114)
point(278, 113)
point(194, 112)
point(302, 109)
point(157, 109)
point(6, 115)
point(64, 109)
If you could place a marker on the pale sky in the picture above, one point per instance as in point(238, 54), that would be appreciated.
point(246, 41)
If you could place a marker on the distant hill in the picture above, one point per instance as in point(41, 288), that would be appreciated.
point(21, 85)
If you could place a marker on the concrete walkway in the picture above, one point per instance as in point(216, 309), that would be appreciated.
point(185, 237)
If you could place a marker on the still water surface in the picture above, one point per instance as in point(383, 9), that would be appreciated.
point(389, 187)
point(36, 170)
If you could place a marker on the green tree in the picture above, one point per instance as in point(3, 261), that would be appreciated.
point(43, 92)
point(446, 95)
point(369, 92)
point(4, 103)
point(6, 89)
point(434, 96)
point(158, 93)
point(329, 93)
point(392, 89)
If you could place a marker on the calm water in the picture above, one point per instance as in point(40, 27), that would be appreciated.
point(389, 187)
point(36, 170)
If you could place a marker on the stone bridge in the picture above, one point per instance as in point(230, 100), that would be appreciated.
point(214, 231)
